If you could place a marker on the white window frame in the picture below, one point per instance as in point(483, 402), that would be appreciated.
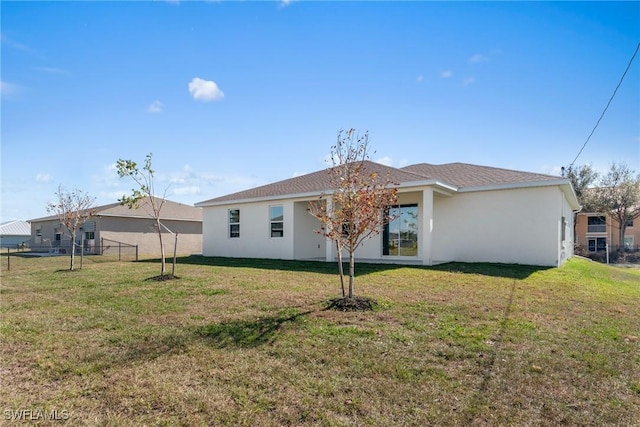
point(231, 234)
point(272, 222)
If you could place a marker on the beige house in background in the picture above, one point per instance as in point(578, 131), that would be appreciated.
point(116, 224)
point(595, 230)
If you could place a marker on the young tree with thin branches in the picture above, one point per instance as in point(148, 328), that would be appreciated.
point(356, 207)
point(144, 178)
point(73, 208)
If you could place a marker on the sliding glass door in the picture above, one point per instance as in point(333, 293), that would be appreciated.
point(400, 235)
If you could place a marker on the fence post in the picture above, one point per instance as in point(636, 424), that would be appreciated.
point(8, 259)
point(119, 251)
point(175, 250)
point(136, 252)
point(81, 247)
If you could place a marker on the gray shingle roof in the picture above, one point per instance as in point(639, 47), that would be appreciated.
point(315, 182)
point(458, 175)
point(170, 211)
point(467, 175)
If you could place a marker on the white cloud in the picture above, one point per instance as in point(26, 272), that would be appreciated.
point(386, 160)
point(155, 107)
point(8, 88)
point(50, 70)
point(183, 191)
point(14, 44)
point(43, 178)
point(109, 178)
point(446, 74)
point(469, 80)
point(478, 58)
point(285, 3)
point(205, 90)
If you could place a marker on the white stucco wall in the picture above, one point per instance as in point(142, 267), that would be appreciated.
point(521, 226)
point(566, 247)
point(255, 240)
point(507, 226)
point(307, 243)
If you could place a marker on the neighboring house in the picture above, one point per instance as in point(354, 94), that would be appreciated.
point(450, 212)
point(14, 234)
point(116, 223)
point(594, 231)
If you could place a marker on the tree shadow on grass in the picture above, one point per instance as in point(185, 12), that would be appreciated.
point(480, 399)
point(307, 266)
point(247, 333)
point(150, 346)
point(510, 271)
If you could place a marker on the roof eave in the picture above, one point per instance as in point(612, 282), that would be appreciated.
point(439, 185)
point(213, 202)
point(443, 187)
point(146, 217)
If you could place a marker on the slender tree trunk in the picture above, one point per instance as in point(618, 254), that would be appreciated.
point(73, 250)
point(340, 267)
point(352, 269)
point(162, 260)
point(621, 248)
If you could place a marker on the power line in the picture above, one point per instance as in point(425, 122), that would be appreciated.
point(608, 103)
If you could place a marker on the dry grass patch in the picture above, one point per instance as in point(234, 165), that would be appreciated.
point(250, 342)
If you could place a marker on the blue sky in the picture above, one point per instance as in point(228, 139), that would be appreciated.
point(231, 95)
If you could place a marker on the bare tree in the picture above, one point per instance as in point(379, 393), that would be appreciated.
point(144, 179)
point(618, 194)
point(356, 207)
point(73, 208)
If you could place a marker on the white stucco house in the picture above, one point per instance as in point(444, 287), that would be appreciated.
point(450, 212)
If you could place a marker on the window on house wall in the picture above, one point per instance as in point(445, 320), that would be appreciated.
point(596, 224)
point(57, 237)
point(630, 223)
point(89, 235)
point(564, 230)
point(38, 235)
point(597, 244)
point(234, 223)
point(628, 242)
point(276, 221)
point(400, 235)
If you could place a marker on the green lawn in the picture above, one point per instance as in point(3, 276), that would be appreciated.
point(248, 342)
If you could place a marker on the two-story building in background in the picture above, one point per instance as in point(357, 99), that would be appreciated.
point(594, 231)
